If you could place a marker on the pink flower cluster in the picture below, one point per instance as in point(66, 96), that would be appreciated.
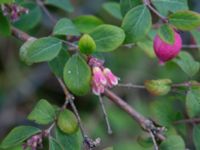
point(33, 142)
point(101, 77)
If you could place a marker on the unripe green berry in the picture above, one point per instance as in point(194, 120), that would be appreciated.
point(67, 122)
point(158, 87)
point(87, 44)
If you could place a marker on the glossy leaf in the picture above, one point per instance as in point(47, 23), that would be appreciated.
point(193, 102)
point(43, 113)
point(113, 8)
point(166, 6)
point(62, 4)
point(137, 23)
point(107, 37)
point(166, 33)
point(196, 136)
point(4, 26)
point(65, 27)
point(77, 75)
point(18, 135)
point(57, 64)
point(87, 23)
point(26, 21)
point(187, 63)
point(173, 142)
point(40, 50)
point(126, 5)
point(185, 20)
point(71, 141)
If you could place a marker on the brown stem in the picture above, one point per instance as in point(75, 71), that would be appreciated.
point(192, 120)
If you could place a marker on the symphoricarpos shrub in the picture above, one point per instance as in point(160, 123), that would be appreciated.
point(165, 51)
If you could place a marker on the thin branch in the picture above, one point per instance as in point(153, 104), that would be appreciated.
point(105, 115)
point(192, 120)
point(191, 46)
point(130, 85)
point(154, 140)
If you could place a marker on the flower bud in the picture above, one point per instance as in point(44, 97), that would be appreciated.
point(165, 51)
point(158, 87)
point(112, 80)
point(86, 44)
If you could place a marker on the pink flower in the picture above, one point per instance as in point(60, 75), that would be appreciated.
point(165, 51)
point(112, 80)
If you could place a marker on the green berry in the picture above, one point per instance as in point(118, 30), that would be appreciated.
point(87, 44)
point(67, 122)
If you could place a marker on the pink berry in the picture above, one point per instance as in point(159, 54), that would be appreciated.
point(165, 51)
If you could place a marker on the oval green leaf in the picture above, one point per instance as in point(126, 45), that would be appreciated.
point(4, 26)
point(136, 23)
point(77, 75)
point(113, 8)
point(126, 5)
point(166, 33)
point(62, 4)
point(107, 37)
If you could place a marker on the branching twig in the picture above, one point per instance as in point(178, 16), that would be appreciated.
point(191, 46)
point(154, 140)
point(130, 85)
point(191, 120)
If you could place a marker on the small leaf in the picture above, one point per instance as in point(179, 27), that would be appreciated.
point(4, 26)
point(67, 122)
point(166, 6)
point(166, 33)
point(62, 4)
point(40, 50)
point(186, 62)
point(185, 20)
point(43, 113)
point(71, 141)
point(18, 135)
point(193, 102)
point(87, 23)
point(158, 87)
point(136, 23)
point(77, 75)
point(196, 136)
point(54, 144)
point(65, 27)
point(107, 37)
point(57, 64)
point(128, 4)
point(26, 21)
point(173, 142)
point(86, 44)
point(113, 8)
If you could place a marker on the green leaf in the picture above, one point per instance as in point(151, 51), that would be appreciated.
point(6, 1)
point(26, 21)
point(187, 63)
point(18, 135)
point(166, 33)
point(147, 46)
point(43, 113)
point(173, 142)
point(87, 23)
point(107, 37)
point(65, 27)
point(57, 64)
point(113, 8)
point(196, 136)
point(185, 20)
point(193, 102)
point(166, 6)
point(136, 23)
point(54, 144)
point(77, 75)
point(71, 141)
point(44, 49)
point(196, 36)
point(4, 26)
point(62, 4)
point(126, 5)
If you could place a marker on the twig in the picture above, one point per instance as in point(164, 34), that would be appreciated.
point(154, 140)
point(192, 120)
point(46, 11)
point(191, 46)
point(105, 115)
point(130, 85)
